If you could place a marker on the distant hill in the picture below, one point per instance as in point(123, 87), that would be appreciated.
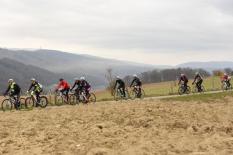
point(212, 65)
point(75, 65)
point(22, 74)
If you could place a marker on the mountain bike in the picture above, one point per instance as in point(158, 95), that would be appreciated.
point(60, 98)
point(10, 102)
point(196, 90)
point(32, 101)
point(135, 93)
point(118, 94)
point(226, 85)
point(81, 96)
point(182, 90)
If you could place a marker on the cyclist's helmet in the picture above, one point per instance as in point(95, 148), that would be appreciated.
point(182, 75)
point(118, 77)
point(10, 80)
point(61, 79)
point(225, 74)
point(135, 75)
point(82, 78)
point(197, 73)
point(33, 79)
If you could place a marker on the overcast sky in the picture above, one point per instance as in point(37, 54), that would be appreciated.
point(164, 32)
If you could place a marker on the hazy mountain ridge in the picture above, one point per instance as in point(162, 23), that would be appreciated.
point(71, 65)
point(22, 74)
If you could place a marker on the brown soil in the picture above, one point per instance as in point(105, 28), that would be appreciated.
point(132, 128)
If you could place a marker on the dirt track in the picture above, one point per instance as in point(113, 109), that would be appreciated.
point(151, 127)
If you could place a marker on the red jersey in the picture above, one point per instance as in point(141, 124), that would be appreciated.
point(63, 85)
point(225, 77)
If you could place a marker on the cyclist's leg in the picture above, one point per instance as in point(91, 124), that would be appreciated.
point(120, 90)
point(185, 86)
point(140, 89)
point(77, 93)
point(123, 89)
point(37, 93)
point(201, 81)
point(16, 96)
point(67, 94)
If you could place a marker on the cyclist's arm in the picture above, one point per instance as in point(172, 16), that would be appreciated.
point(179, 81)
point(132, 83)
point(8, 89)
point(195, 78)
point(30, 87)
point(73, 86)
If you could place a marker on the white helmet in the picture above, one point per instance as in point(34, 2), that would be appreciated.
point(225, 74)
point(33, 79)
point(197, 73)
point(118, 77)
point(82, 78)
point(182, 75)
point(135, 75)
point(10, 80)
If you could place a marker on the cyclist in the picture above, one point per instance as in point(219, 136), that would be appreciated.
point(37, 88)
point(120, 84)
point(64, 88)
point(136, 83)
point(227, 79)
point(14, 91)
point(199, 80)
point(184, 80)
point(85, 86)
point(76, 85)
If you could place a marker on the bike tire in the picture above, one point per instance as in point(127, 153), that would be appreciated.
point(180, 91)
point(23, 103)
point(92, 98)
point(73, 99)
point(117, 96)
point(29, 103)
point(59, 100)
point(133, 94)
point(43, 102)
point(188, 90)
point(143, 94)
point(7, 105)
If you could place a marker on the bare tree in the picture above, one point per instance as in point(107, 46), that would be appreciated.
point(110, 79)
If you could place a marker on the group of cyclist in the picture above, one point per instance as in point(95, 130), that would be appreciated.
point(198, 80)
point(120, 85)
point(81, 85)
point(36, 89)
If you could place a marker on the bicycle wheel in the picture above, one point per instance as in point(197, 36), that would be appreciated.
point(43, 101)
point(203, 89)
point(7, 105)
point(181, 91)
point(29, 103)
point(23, 103)
point(188, 90)
point(73, 99)
point(143, 94)
point(127, 95)
point(92, 98)
point(117, 96)
point(133, 94)
point(225, 86)
point(59, 100)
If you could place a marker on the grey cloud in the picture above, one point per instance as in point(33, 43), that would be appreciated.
point(150, 25)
